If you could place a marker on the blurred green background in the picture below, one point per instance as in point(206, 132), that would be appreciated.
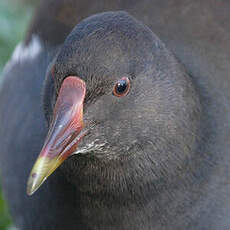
point(14, 19)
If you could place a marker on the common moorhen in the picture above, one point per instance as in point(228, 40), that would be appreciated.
point(138, 140)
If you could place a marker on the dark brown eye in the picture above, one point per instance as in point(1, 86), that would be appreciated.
point(121, 88)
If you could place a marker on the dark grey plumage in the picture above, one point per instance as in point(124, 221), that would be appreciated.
point(164, 163)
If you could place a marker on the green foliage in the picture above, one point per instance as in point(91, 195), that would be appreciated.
point(14, 19)
point(4, 215)
point(13, 22)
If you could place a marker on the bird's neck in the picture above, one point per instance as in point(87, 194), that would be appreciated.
point(121, 197)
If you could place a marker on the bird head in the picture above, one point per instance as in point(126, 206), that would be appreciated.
point(114, 93)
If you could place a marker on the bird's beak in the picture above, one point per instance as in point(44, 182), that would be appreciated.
point(64, 134)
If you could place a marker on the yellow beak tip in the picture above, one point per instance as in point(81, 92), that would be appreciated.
point(34, 182)
point(42, 169)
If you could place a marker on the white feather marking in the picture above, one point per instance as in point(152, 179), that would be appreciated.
point(24, 52)
point(89, 148)
point(12, 228)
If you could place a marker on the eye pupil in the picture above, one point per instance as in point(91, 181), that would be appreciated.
point(121, 86)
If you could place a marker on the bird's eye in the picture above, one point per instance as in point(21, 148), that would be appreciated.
point(121, 88)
